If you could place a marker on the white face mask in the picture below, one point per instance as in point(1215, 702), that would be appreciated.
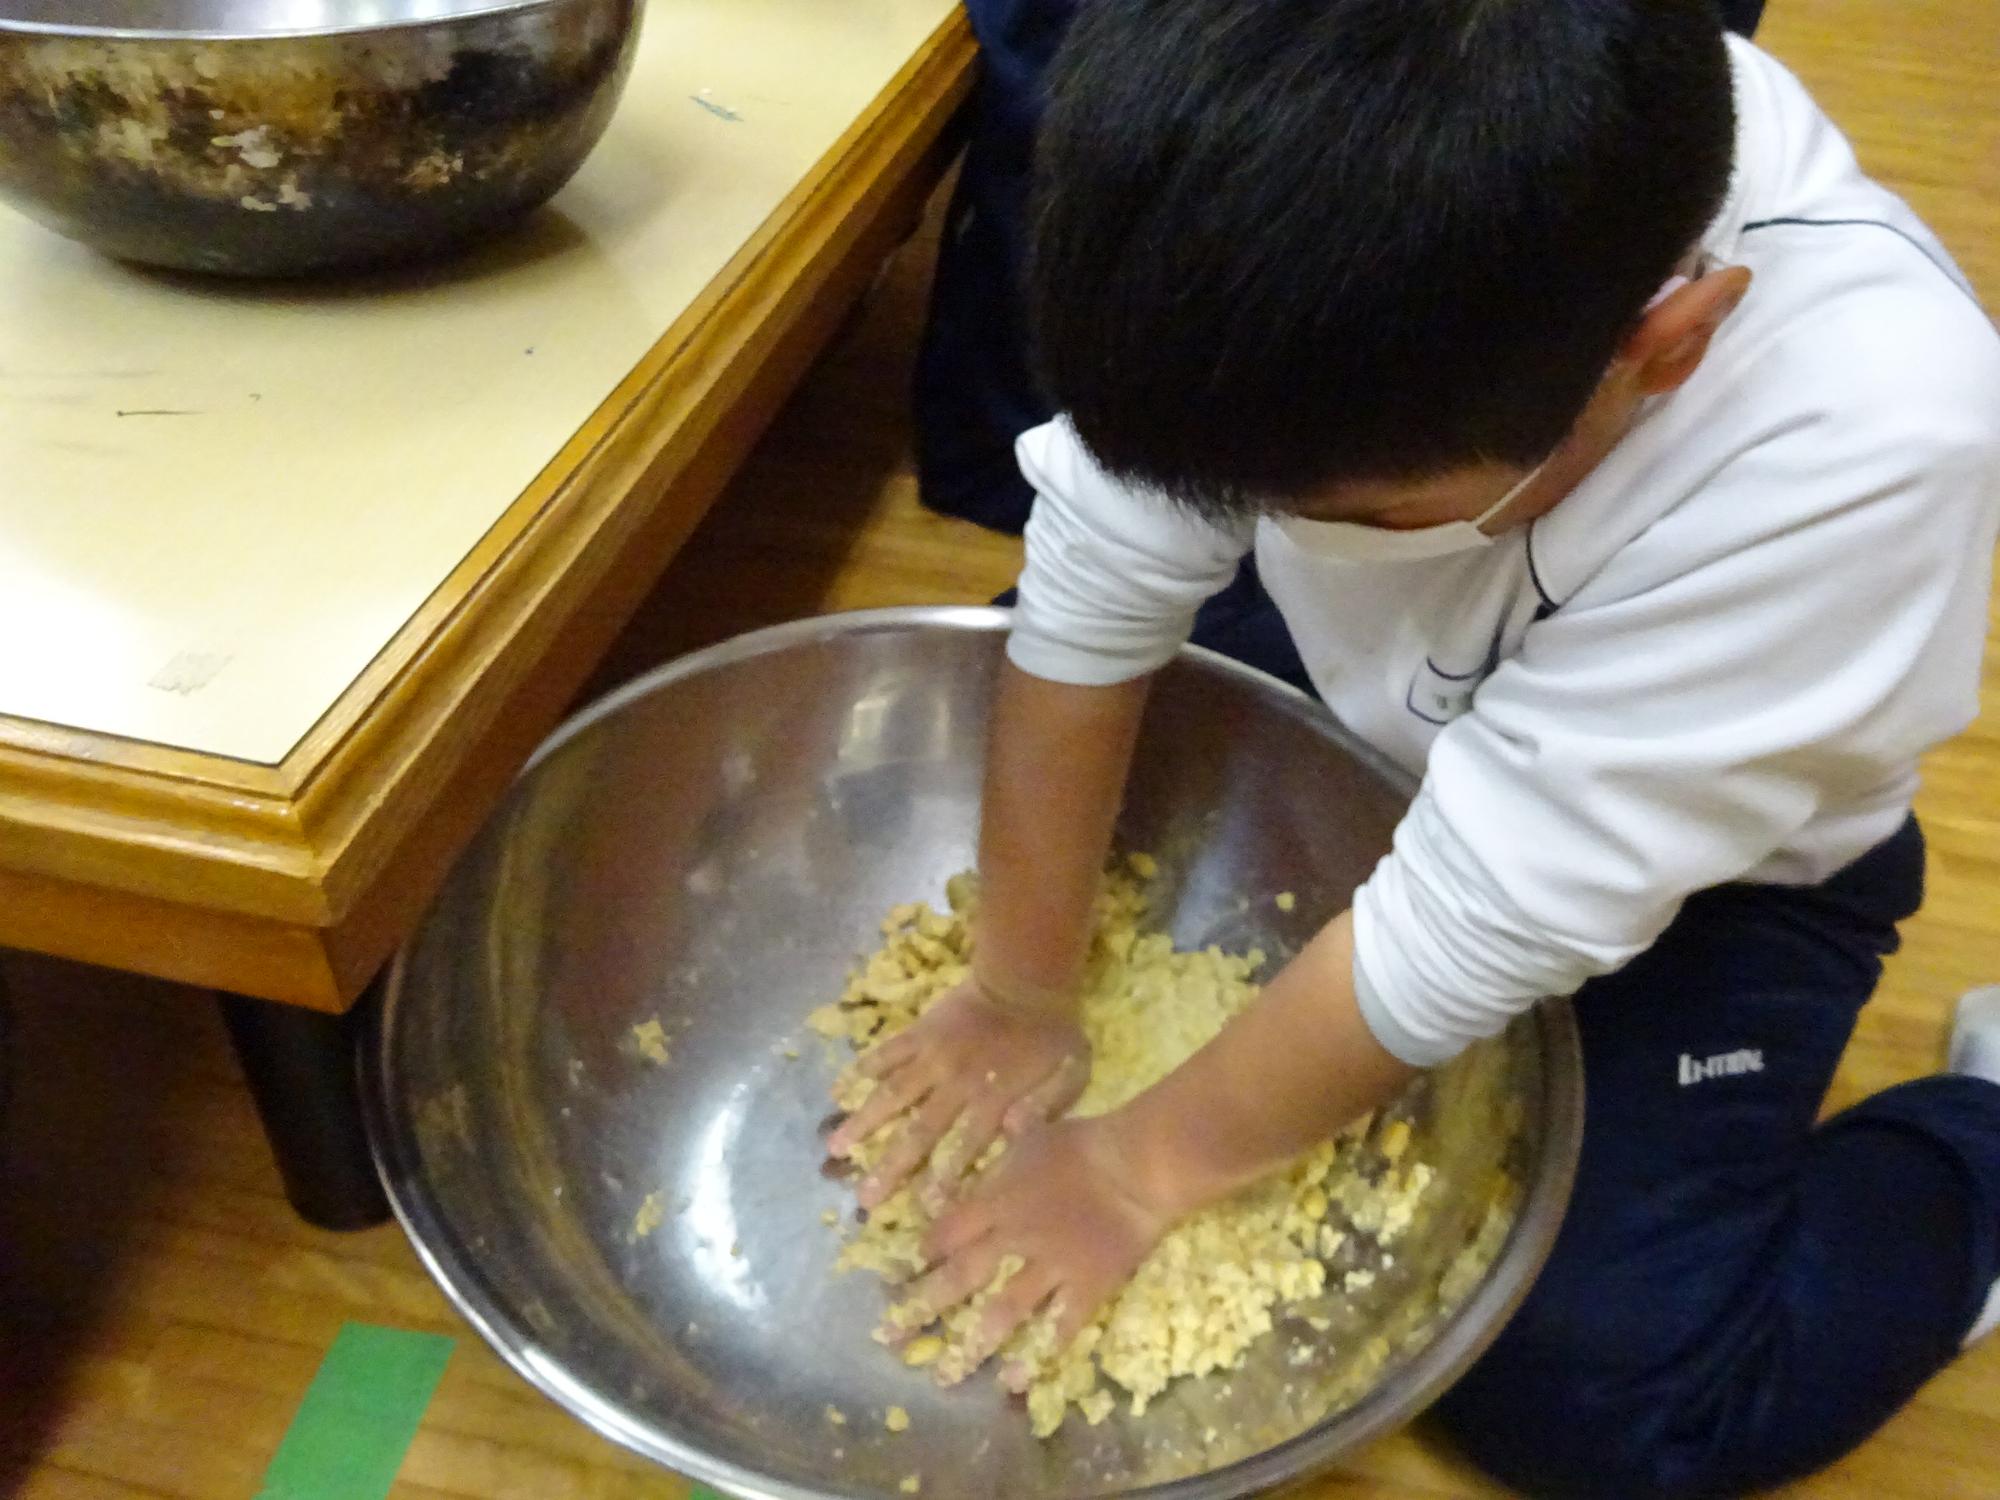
point(1352, 542)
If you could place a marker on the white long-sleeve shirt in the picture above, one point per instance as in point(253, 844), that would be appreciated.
point(1717, 659)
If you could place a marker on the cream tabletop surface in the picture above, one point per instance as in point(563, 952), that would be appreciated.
point(218, 503)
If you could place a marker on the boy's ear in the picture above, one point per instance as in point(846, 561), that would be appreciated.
point(1671, 340)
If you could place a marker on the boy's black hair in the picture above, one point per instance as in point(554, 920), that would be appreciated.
point(1285, 243)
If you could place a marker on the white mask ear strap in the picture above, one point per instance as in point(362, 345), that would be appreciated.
point(1673, 284)
point(1703, 264)
point(1512, 495)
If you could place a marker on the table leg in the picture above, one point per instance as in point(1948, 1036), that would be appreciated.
point(6, 1056)
point(300, 1066)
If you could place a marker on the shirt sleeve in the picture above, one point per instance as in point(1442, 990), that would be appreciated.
point(1784, 644)
point(1113, 575)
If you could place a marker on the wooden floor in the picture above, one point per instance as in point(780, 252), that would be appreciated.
point(161, 1311)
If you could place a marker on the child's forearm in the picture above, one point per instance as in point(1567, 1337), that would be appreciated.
point(1055, 776)
point(1295, 1067)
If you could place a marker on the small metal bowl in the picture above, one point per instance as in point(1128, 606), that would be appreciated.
point(714, 846)
point(298, 137)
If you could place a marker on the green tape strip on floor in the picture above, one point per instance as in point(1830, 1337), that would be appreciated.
point(359, 1416)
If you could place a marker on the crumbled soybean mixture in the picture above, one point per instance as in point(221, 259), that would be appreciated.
point(649, 1038)
point(1217, 1283)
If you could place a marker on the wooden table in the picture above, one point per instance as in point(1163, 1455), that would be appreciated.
point(292, 581)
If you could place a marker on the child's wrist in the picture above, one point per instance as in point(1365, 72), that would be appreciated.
point(1150, 1165)
point(1012, 992)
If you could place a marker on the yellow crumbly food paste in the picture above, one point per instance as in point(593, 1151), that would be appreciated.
point(1217, 1282)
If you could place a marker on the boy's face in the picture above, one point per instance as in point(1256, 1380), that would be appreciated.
point(1407, 505)
point(1663, 351)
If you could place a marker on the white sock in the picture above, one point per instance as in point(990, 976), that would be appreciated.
point(1988, 1321)
point(1975, 1050)
point(1975, 1035)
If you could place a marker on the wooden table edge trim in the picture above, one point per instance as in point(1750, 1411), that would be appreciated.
point(95, 822)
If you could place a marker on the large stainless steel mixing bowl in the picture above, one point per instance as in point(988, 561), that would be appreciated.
point(714, 846)
point(287, 137)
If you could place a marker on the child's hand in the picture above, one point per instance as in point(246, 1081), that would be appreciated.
point(973, 1062)
point(1067, 1203)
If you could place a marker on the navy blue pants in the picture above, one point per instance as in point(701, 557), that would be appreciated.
point(1739, 1295)
point(975, 391)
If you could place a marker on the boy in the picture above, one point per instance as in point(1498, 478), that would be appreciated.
point(1625, 462)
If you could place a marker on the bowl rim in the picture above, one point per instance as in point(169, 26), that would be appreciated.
point(246, 19)
point(1471, 1328)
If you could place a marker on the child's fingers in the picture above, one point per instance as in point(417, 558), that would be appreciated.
point(890, 1098)
point(1071, 1314)
point(963, 1145)
point(1048, 1098)
point(968, 1272)
point(884, 1058)
point(910, 1148)
point(962, 1226)
point(1019, 1300)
